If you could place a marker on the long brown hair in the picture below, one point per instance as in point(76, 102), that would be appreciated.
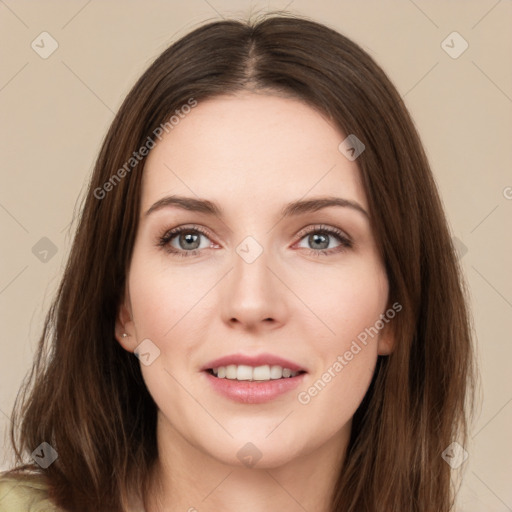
point(85, 395)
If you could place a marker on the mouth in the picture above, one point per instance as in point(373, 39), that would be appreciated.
point(253, 378)
point(263, 373)
point(247, 384)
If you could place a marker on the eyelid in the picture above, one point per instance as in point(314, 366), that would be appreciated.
point(325, 228)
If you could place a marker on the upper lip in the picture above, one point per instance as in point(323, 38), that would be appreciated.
point(253, 360)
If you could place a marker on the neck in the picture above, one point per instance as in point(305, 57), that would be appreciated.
point(186, 478)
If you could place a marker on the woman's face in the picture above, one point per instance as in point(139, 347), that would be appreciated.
point(258, 280)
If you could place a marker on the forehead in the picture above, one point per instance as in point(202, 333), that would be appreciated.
point(248, 146)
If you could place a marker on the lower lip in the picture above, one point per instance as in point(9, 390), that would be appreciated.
point(253, 391)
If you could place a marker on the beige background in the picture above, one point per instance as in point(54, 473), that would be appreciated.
point(55, 112)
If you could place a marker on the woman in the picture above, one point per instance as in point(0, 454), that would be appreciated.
point(262, 308)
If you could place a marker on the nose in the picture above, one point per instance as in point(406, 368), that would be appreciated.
point(253, 297)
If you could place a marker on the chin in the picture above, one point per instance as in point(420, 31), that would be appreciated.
point(252, 449)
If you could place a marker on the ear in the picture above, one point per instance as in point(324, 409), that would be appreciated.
point(386, 343)
point(125, 325)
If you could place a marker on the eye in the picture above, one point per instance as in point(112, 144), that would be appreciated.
point(184, 240)
point(319, 237)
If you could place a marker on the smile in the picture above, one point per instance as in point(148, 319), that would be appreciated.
point(244, 372)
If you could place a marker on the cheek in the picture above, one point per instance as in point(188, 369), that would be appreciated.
point(162, 296)
point(348, 358)
point(349, 353)
point(333, 396)
point(346, 301)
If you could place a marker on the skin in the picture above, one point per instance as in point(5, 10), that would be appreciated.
point(252, 154)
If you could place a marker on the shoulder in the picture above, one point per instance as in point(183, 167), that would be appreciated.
point(24, 493)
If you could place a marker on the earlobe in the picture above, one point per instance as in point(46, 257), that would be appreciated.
point(124, 329)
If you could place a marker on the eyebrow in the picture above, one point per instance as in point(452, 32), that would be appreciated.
point(294, 208)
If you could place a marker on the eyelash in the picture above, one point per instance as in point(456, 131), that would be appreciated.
point(164, 240)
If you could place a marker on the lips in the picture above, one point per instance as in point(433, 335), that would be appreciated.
point(254, 392)
point(253, 360)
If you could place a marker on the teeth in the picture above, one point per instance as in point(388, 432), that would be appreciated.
point(231, 372)
point(245, 372)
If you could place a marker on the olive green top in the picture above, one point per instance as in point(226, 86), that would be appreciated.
point(27, 493)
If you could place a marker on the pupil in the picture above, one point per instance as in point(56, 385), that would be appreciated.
point(316, 238)
point(189, 238)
